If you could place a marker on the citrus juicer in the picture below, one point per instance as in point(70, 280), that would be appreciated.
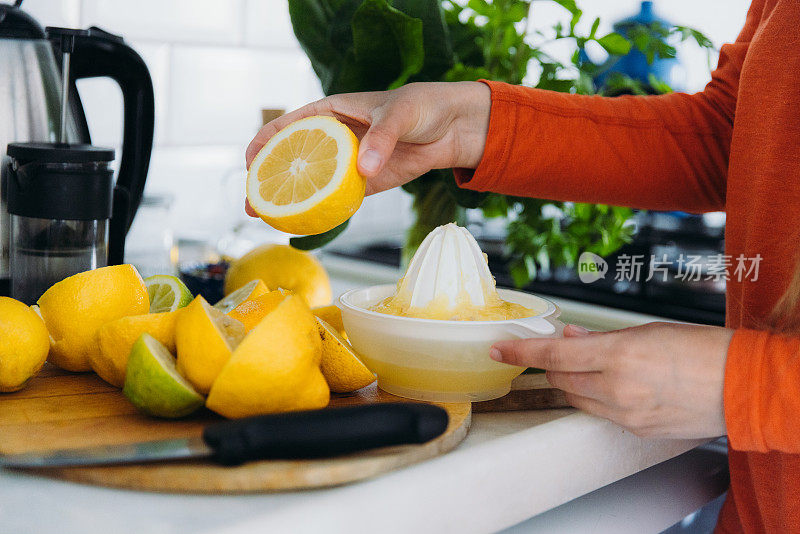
point(442, 360)
point(447, 266)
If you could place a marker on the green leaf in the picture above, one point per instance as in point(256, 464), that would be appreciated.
point(518, 12)
point(323, 29)
point(576, 18)
point(495, 206)
point(595, 25)
point(351, 78)
point(464, 197)
point(387, 43)
point(466, 38)
point(620, 84)
point(436, 39)
point(311, 242)
point(569, 5)
point(481, 7)
point(615, 44)
point(659, 86)
point(522, 270)
point(463, 73)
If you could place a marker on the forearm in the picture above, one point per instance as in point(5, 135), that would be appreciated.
point(664, 152)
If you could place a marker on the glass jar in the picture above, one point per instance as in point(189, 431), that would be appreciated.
point(150, 245)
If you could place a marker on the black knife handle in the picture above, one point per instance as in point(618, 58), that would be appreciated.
point(324, 433)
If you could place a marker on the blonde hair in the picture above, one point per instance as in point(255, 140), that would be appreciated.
point(784, 317)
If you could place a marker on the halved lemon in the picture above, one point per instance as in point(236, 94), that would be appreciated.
point(304, 180)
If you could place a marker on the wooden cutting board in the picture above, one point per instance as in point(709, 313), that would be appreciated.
point(529, 391)
point(63, 410)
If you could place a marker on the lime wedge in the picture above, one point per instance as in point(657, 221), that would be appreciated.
point(153, 384)
point(167, 293)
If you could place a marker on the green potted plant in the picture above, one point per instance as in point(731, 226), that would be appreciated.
point(368, 45)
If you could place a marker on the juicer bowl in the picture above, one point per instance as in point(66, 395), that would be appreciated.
point(441, 361)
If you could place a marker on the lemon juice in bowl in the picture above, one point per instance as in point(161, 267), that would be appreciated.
point(429, 337)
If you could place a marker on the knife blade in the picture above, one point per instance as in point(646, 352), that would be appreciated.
point(308, 434)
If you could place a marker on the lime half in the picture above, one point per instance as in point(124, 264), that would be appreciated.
point(153, 384)
point(167, 293)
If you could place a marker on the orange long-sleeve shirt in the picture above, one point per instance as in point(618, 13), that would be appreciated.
point(734, 146)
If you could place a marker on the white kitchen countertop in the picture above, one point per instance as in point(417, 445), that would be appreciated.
point(511, 467)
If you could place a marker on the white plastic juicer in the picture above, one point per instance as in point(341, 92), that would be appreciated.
point(442, 360)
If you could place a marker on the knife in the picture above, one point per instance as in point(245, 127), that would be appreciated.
point(296, 435)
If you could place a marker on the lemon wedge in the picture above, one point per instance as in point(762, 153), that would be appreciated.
point(115, 339)
point(276, 367)
point(332, 315)
point(339, 364)
point(205, 338)
point(249, 291)
point(251, 313)
point(304, 180)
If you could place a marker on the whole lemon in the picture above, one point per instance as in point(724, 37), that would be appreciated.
point(282, 266)
point(24, 343)
point(74, 308)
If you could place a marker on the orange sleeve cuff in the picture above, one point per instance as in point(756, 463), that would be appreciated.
point(502, 128)
point(762, 392)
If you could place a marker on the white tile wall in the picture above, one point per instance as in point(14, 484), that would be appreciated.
point(215, 64)
point(215, 93)
point(194, 21)
point(64, 13)
point(196, 177)
point(268, 24)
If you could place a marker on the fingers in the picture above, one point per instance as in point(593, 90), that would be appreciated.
point(584, 384)
point(320, 107)
point(573, 330)
point(389, 123)
point(589, 405)
point(570, 354)
point(249, 209)
point(348, 106)
point(354, 109)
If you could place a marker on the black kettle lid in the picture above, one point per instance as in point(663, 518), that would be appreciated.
point(16, 24)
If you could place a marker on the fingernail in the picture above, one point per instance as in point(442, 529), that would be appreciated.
point(370, 160)
point(581, 331)
point(495, 355)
